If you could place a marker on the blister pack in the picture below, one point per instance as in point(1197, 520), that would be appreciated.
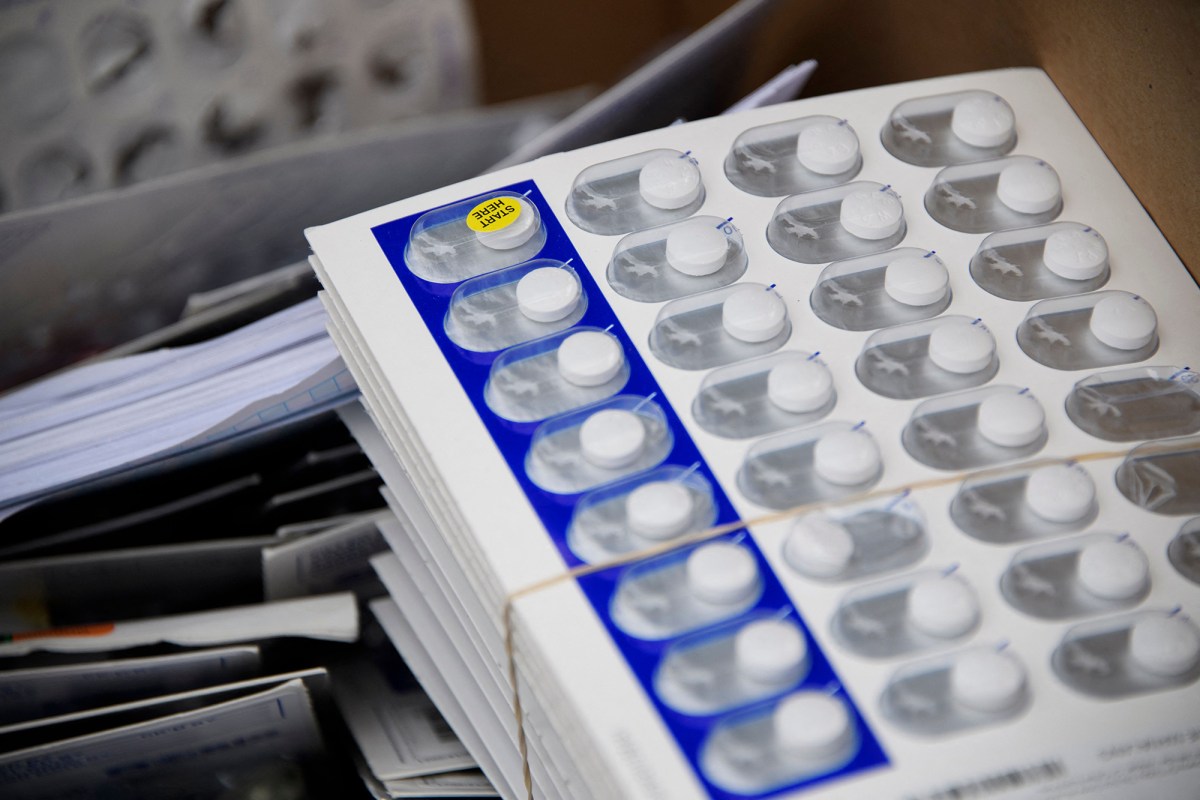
point(841, 448)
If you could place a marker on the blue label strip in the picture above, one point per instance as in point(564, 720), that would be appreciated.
point(513, 441)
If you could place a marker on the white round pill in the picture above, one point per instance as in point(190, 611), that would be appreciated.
point(590, 358)
point(799, 386)
point(697, 248)
point(827, 148)
point(916, 280)
point(987, 680)
point(818, 546)
point(753, 314)
point(770, 651)
point(1011, 419)
point(660, 510)
point(1123, 321)
point(847, 458)
point(1029, 187)
point(548, 294)
point(1060, 493)
point(872, 214)
point(722, 573)
point(983, 121)
point(1075, 255)
point(961, 347)
point(811, 725)
point(1166, 646)
point(1113, 570)
point(522, 228)
point(942, 606)
point(612, 438)
point(669, 182)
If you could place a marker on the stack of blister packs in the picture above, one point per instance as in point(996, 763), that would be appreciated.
point(820, 450)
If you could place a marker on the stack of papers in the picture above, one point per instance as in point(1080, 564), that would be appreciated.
point(183, 598)
point(111, 415)
point(253, 733)
point(407, 747)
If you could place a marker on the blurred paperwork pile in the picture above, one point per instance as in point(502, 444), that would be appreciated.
point(186, 533)
point(191, 626)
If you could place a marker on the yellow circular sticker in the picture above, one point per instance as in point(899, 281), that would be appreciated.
point(494, 214)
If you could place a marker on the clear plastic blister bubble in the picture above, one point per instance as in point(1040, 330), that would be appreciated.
point(956, 692)
point(1127, 405)
point(977, 428)
point(677, 259)
point(1087, 331)
point(862, 294)
point(934, 356)
point(846, 221)
point(1184, 550)
point(686, 590)
point(1095, 574)
point(1147, 651)
point(118, 52)
point(599, 444)
point(149, 149)
point(55, 172)
point(1052, 260)
point(722, 326)
point(514, 305)
point(554, 374)
point(1012, 192)
point(37, 86)
point(636, 192)
point(443, 247)
point(848, 542)
point(1163, 476)
point(1026, 504)
point(803, 735)
point(640, 512)
point(733, 665)
point(764, 395)
point(822, 462)
point(948, 129)
point(907, 614)
point(798, 155)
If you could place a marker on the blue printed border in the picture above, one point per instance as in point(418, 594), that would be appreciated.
point(555, 511)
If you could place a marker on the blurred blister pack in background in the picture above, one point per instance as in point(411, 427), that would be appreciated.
point(107, 94)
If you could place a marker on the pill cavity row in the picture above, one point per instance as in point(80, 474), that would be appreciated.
point(607, 449)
